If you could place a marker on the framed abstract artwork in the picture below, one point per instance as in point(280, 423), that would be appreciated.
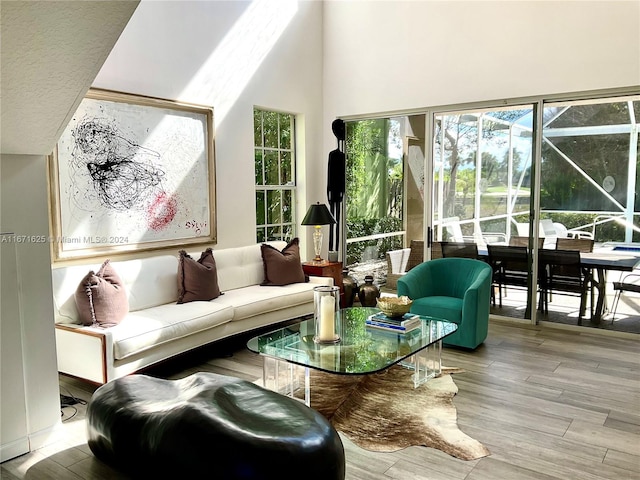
point(132, 173)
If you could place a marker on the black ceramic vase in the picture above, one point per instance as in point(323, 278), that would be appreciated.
point(368, 293)
point(350, 288)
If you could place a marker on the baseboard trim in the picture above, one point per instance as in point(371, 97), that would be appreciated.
point(14, 449)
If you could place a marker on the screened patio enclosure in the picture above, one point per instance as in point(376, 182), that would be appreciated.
point(589, 179)
point(482, 181)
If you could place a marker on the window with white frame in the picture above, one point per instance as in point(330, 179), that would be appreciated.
point(274, 153)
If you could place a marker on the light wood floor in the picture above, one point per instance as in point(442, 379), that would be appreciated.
point(548, 403)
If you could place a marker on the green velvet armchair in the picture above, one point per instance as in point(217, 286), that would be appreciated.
point(454, 289)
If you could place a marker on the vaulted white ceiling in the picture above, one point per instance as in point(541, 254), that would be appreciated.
point(51, 53)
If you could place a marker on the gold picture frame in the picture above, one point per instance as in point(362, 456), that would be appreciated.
point(132, 173)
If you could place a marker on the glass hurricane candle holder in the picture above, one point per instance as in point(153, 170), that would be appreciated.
point(326, 314)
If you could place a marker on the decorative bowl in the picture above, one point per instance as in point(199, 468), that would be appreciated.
point(394, 306)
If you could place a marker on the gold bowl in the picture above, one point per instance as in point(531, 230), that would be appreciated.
point(394, 306)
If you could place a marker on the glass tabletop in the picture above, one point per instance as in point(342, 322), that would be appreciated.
point(361, 349)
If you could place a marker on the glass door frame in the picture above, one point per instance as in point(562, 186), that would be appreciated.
point(534, 205)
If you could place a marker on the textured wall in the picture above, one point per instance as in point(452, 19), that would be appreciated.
point(51, 52)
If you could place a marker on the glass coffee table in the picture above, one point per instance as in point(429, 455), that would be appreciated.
point(362, 350)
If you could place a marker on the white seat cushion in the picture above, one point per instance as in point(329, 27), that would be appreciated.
point(156, 325)
point(255, 299)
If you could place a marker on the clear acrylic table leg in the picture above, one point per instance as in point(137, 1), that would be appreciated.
point(283, 377)
point(427, 363)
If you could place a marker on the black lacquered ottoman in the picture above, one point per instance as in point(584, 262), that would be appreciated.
point(210, 426)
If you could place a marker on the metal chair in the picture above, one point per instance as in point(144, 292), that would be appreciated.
point(624, 286)
point(561, 272)
point(579, 244)
point(510, 267)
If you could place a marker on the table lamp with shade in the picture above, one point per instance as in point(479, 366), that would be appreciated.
point(318, 215)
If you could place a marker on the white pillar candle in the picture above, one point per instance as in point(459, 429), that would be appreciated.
point(327, 318)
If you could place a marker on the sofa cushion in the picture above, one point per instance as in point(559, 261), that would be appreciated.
point(248, 258)
point(197, 280)
point(101, 298)
point(282, 267)
point(449, 308)
point(157, 325)
point(256, 300)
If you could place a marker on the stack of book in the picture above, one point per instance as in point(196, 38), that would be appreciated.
point(404, 324)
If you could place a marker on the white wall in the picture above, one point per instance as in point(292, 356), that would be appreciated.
point(394, 55)
point(233, 56)
point(29, 383)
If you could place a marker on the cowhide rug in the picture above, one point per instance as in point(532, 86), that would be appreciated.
point(383, 412)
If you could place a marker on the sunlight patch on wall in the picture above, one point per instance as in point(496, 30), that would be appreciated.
point(228, 70)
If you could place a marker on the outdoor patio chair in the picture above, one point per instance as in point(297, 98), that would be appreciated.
point(454, 230)
point(459, 249)
point(436, 250)
point(564, 232)
point(517, 241)
point(546, 231)
point(510, 267)
point(579, 244)
point(560, 272)
point(416, 255)
point(630, 283)
point(396, 265)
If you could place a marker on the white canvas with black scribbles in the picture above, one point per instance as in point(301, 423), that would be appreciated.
point(132, 174)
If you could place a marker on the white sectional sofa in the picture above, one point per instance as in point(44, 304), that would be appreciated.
point(156, 327)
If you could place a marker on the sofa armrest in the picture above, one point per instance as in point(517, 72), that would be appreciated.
point(321, 280)
point(84, 352)
point(476, 305)
point(417, 282)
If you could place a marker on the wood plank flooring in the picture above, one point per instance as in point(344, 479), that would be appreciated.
point(548, 403)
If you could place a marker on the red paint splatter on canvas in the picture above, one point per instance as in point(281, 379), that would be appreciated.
point(162, 211)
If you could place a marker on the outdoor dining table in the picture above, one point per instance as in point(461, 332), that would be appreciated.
point(601, 261)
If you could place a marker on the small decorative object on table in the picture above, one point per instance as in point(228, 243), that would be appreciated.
point(368, 293)
point(395, 306)
point(326, 314)
point(350, 288)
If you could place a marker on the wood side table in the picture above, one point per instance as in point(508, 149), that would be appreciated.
point(326, 269)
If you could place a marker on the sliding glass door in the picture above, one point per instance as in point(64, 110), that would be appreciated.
point(585, 196)
point(374, 195)
point(482, 185)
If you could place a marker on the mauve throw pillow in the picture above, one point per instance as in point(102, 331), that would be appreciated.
point(101, 298)
point(197, 280)
point(282, 267)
